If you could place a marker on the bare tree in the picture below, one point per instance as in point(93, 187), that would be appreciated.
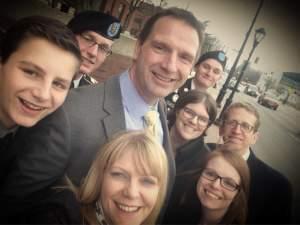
point(134, 5)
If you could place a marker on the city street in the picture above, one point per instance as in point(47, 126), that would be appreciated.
point(278, 143)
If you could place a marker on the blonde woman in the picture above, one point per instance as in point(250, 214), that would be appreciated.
point(126, 184)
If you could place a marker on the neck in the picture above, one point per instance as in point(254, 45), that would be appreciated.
point(150, 100)
point(176, 139)
point(209, 216)
point(5, 122)
point(198, 86)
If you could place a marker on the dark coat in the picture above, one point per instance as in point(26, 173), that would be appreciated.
point(59, 207)
point(188, 160)
point(270, 199)
point(172, 98)
point(7, 155)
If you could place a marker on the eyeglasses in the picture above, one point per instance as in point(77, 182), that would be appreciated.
point(102, 48)
point(226, 182)
point(246, 127)
point(190, 114)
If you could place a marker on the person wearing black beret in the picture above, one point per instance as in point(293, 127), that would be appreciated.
point(95, 33)
point(209, 69)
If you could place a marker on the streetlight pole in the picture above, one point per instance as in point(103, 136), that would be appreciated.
point(232, 70)
point(259, 36)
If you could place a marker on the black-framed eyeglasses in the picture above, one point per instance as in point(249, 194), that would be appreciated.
point(102, 48)
point(191, 114)
point(226, 182)
point(246, 127)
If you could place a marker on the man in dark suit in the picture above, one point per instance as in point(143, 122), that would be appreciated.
point(270, 199)
point(95, 33)
point(66, 142)
point(209, 70)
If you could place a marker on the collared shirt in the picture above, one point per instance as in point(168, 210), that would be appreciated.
point(77, 81)
point(135, 107)
point(246, 155)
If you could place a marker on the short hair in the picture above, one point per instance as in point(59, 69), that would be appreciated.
point(147, 152)
point(237, 211)
point(242, 105)
point(193, 97)
point(176, 13)
point(49, 29)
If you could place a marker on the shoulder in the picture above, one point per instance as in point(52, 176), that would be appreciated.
point(262, 172)
point(61, 208)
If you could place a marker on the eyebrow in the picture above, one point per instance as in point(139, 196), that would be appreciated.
point(42, 71)
point(26, 63)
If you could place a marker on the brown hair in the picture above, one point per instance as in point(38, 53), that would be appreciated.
point(237, 211)
point(242, 105)
point(49, 29)
point(193, 97)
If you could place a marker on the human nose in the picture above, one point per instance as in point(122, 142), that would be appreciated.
point(131, 190)
point(93, 50)
point(216, 183)
point(42, 92)
point(170, 62)
point(237, 128)
point(194, 119)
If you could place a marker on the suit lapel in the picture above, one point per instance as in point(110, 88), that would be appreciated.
point(115, 120)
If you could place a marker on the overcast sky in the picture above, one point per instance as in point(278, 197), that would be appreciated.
point(231, 19)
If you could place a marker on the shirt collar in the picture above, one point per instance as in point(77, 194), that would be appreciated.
point(246, 154)
point(131, 98)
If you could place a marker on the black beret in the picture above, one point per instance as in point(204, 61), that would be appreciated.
point(217, 55)
point(103, 24)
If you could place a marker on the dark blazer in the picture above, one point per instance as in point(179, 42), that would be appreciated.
point(270, 199)
point(68, 139)
point(182, 209)
point(172, 98)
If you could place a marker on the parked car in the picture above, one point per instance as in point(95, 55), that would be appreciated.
point(251, 90)
point(269, 100)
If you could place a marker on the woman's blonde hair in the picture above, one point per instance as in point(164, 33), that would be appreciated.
point(148, 154)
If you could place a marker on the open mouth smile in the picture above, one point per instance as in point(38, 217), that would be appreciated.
point(163, 78)
point(126, 208)
point(31, 106)
point(211, 194)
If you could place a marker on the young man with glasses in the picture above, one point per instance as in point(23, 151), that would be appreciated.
point(95, 33)
point(270, 196)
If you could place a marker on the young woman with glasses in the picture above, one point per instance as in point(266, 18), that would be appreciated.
point(193, 113)
point(218, 192)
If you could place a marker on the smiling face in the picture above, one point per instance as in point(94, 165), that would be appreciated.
point(208, 73)
point(188, 128)
point(92, 56)
point(212, 195)
point(128, 195)
point(235, 138)
point(162, 63)
point(34, 83)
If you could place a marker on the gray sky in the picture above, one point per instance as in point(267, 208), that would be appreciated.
point(231, 19)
